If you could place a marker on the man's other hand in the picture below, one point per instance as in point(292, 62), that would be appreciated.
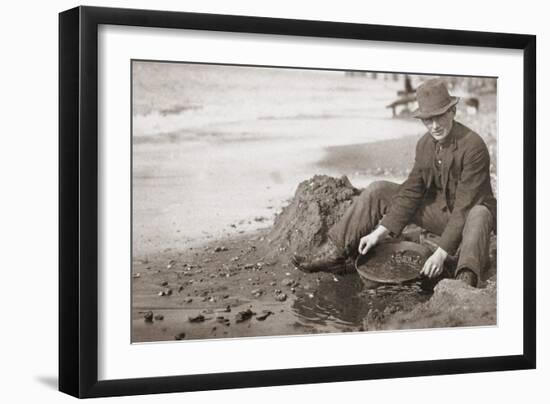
point(371, 239)
point(434, 265)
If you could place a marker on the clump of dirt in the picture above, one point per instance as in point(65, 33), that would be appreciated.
point(453, 304)
point(302, 226)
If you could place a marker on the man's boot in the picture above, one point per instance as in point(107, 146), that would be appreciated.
point(467, 276)
point(328, 258)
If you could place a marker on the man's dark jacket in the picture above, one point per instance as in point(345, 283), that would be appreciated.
point(465, 182)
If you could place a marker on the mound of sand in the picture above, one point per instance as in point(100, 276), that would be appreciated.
point(302, 226)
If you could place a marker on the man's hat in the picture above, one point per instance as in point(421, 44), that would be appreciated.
point(433, 99)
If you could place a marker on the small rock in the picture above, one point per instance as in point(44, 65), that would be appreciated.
point(159, 317)
point(244, 315)
point(248, 266)
point(281, 297)
point(165, 283)
point(166, 292)
point(265, 314)
point(148, 317)
point(257, 292)
point(199, 318)
point(188, 300)
point(223, 320)
point(287, 282)
point(137, 275)
point(180, 336)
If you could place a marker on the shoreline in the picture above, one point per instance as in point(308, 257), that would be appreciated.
point(382, 157)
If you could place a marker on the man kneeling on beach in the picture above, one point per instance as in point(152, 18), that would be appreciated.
point(448, 192)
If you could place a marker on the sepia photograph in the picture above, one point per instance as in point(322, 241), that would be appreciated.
point(275, 201)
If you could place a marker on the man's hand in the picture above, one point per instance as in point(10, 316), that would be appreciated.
point(434, 265)
point(371, 239)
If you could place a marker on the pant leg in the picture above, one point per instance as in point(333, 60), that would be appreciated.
point(362, 216)
point(474, 250)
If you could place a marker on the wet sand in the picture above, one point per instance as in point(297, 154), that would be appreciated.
point(221, 280)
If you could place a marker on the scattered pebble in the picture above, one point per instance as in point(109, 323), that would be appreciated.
point(180, 336)
point(288, 282)
point(257, 292)
point(223, 320)
point(225, 310)
point(281, 297)
point(159, 317)
point(220, 249)
point(199, 318)
point(166, 292)
point(265, 314)
point(244, 315)
point(137, 275)
point(148, 317)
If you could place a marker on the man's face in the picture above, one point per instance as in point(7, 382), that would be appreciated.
point(440, 126)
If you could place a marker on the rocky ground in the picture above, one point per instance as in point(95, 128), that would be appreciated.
point(453, 304)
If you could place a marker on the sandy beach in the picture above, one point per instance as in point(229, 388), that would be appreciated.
point(211, 172)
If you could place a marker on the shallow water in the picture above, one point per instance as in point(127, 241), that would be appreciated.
point(343, 302)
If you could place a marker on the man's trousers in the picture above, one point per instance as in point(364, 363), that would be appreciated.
point(375, 201)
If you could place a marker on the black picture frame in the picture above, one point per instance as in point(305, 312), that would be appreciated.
point(78, 200)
